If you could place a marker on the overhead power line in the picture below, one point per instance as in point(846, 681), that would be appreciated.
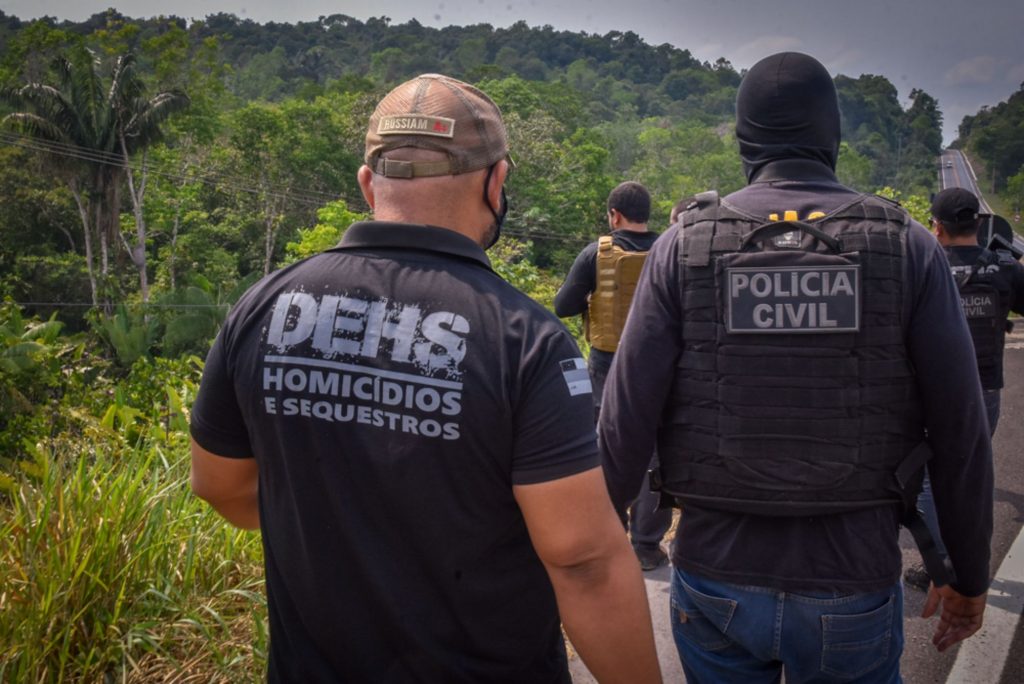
point(213, 178)
point(148, 305)
point(220, 180)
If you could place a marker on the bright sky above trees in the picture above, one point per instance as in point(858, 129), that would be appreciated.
point(964, 55)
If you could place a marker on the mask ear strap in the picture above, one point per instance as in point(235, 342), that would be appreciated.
point(487, 199)
point(499, 216)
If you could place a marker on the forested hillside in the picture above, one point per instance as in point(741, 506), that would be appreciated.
point(152, 169)
point(995, 135)
point(230, 183)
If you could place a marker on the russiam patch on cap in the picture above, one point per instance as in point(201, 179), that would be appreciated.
point(955, 205)
point(439, 113)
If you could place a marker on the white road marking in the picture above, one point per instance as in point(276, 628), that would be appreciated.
point(982, 657)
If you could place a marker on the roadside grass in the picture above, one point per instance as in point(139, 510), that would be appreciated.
point(996, 201)
point(112, 571)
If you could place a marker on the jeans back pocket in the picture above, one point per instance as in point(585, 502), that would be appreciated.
point(853, 645)
point(701, 619)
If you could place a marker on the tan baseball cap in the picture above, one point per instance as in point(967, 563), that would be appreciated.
point(435, 112)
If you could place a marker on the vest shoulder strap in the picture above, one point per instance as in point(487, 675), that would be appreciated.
point(695, 244)
point(870, 208)
point(705, 199)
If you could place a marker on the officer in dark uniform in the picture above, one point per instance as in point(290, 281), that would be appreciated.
point(789, 348)
point(603, 299)
point(991, 285)
point(414, 438)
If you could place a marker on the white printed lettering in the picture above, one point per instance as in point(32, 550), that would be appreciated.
point(273, 378)
point(277, 335)
point(739, 282)
point(761, 285)
point(842, 285)
point(762, 315)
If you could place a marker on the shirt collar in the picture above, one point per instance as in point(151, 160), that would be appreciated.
point(387, 234)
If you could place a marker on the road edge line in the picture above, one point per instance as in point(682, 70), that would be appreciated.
point(969, 167)
point(982, 658)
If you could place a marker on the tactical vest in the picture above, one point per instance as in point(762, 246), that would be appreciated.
point(618, 271)
point(793, 394)
point(986, 306)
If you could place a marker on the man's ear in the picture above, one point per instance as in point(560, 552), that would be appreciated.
point(495, 184)
point(365, 178)
point(614, 218)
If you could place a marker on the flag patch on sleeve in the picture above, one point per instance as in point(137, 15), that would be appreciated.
point(577, 378)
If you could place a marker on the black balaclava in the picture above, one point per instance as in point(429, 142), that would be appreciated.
point(786, 108)
point(499, 216)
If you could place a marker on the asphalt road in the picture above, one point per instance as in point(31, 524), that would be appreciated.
point(955, 172)
point(921, 663)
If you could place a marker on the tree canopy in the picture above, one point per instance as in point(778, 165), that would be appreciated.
point(206, 197)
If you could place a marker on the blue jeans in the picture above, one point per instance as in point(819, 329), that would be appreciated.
point(731, 633)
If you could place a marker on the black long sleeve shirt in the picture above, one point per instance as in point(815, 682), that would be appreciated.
point(850, 552)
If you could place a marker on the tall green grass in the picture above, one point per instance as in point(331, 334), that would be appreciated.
point(112, 571)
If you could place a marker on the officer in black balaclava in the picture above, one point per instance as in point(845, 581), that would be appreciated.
point(796, 350)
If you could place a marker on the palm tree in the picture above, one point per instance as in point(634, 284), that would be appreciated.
point(90, 133)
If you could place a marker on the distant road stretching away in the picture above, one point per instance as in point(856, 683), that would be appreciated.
point(955, 172)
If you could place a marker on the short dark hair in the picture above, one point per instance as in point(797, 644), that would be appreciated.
point(632, 201)
point(961, 229)
point(678, 208)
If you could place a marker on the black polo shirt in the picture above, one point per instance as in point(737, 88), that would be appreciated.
point(392, 391)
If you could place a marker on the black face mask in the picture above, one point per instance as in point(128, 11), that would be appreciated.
point(499, 215)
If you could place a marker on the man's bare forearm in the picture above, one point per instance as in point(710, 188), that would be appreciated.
point(241, 511)
point(603, 605)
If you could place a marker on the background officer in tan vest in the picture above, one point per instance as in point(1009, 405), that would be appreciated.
point(600, 286)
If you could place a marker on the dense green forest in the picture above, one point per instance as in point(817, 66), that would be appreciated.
point(254, 133)
point(152, 169)
point(995, 135)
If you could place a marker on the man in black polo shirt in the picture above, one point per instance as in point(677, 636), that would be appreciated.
point(991, 285)
point(414, 437)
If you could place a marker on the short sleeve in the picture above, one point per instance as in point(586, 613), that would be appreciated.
point(217, 424)
point(554, 411)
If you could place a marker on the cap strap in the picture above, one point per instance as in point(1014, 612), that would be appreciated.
point(394, 168)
